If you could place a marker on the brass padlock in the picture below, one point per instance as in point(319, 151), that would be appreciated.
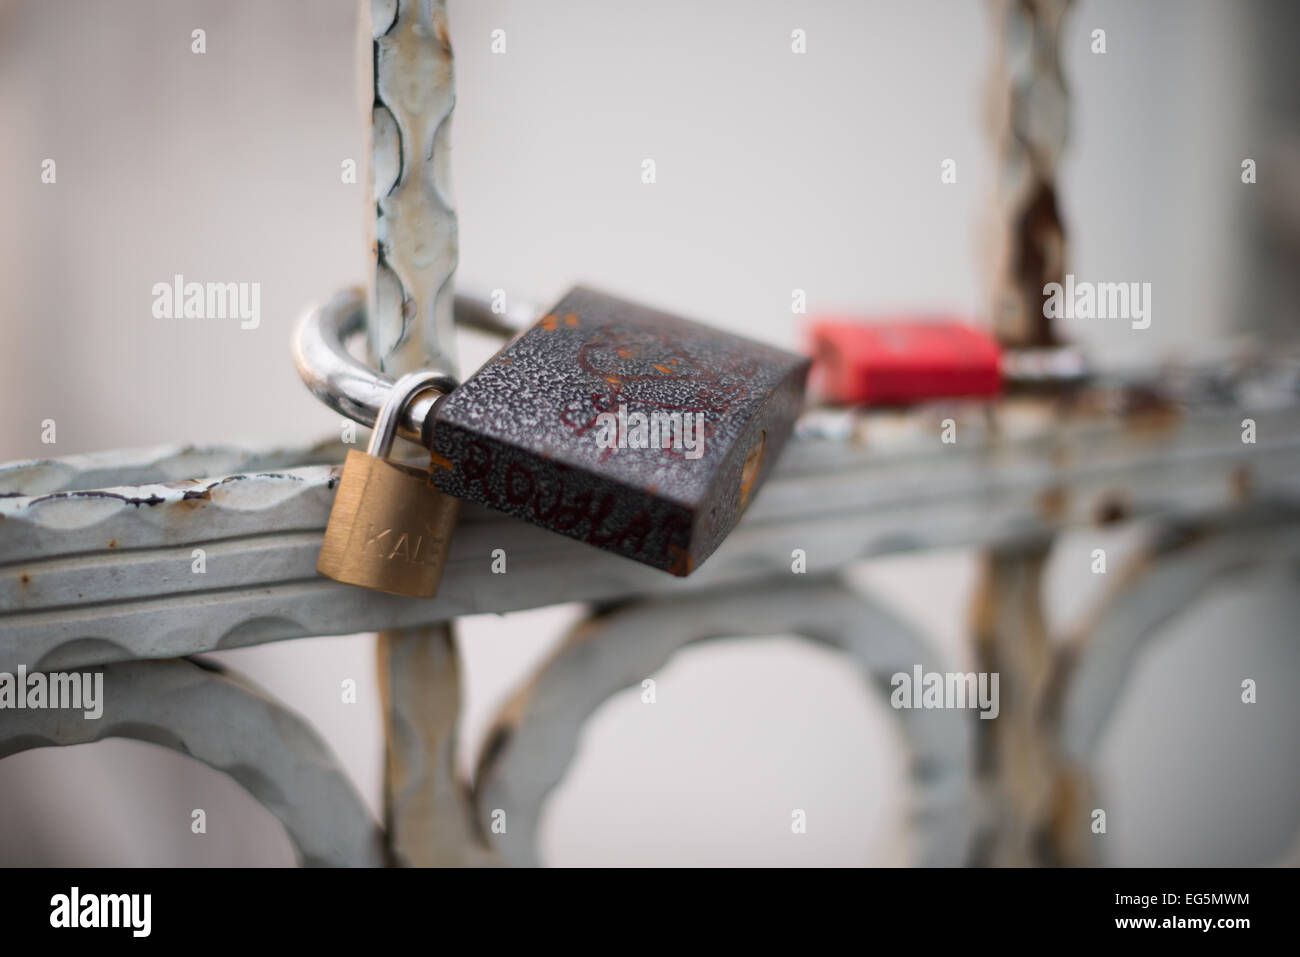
point(389, 529)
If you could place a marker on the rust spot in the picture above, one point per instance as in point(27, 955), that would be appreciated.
point(112, 543)
point(1059, 836)
point(495, 745)
point(126, 499)
point(440, 31)
point(1148, 410)
point(439, 461)
point(665, 370)
point(749, 471)
point(549, 322)
point(683, 564)
point(1111, 508)
point(571, 319)
point(1239, 483)
point(195, 496)
point(1084, 403)
point(613, 380)
point(26, 579)
point(1057, 684)
point(625, 353)
point(1053, 502)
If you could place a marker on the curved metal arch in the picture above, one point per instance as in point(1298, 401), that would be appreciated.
point(536, 733)
point(1167, 578)
point(1164, 581)
point(229, 725)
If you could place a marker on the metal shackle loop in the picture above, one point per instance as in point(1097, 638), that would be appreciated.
point(404, 390)
point(354, 390)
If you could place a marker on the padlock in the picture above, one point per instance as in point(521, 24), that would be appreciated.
point(620, 426)
point(903, 361)
point(389, 529)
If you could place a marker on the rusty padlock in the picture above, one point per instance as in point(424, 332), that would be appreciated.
point(389, 529)
point(620, 426)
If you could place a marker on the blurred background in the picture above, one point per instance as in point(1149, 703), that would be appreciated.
point(774, 172)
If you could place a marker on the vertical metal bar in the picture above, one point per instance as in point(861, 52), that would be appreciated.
point(426, 810)
point(410, 323)
point(1030, 112)
point(410, 326)
point(1033, 799)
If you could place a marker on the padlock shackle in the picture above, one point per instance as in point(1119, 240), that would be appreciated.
point(399, 397)
point(349, 386)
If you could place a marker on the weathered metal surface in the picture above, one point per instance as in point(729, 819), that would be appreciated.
point(1029, 116)
point(410, 308)
point(427, 812)
point(537, 731)
point(530, 434)
point(108, 575)
point(224, 721)
point(166, 463)
point(409, 326)
point(1031, 812)
point(1058, 696)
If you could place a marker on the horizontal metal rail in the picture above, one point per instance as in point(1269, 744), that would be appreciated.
point(90, 576)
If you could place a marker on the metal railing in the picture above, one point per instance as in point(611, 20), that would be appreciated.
point(98, 563)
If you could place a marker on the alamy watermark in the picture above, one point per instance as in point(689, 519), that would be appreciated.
point(683, 431)
point(933, 689)
point(179, 299)
point(75, 909)
point(1099, 300)
point(57, 690)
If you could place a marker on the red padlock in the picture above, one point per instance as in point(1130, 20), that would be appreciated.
point(903, 361)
